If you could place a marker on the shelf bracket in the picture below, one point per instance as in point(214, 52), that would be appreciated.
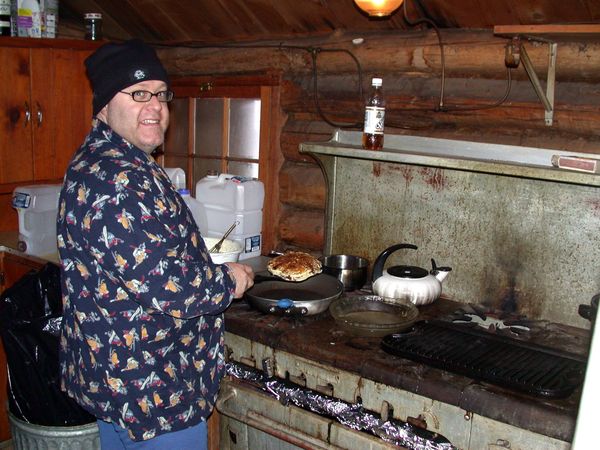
point(546, 98)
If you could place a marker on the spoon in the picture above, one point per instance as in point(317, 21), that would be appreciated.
point(215, 248)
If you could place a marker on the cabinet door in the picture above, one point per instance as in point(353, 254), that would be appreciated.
point(16, 160)
point(62, 109)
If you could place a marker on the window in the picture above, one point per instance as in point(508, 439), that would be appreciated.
point(226, 125)
point(217, 129)
point(227, 136)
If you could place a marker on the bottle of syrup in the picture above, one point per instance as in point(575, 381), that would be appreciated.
point(374, 117)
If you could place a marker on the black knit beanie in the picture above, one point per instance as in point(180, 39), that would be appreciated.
point(114, 67)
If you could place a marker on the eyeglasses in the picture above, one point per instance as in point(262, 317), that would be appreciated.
point(145, 96)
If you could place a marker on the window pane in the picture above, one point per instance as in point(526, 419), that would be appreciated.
point(209, 127)
point(243, 169)
point(202, 166)
point(244, 128)
point(176, 139)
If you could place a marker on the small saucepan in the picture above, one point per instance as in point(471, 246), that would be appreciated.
point(349, 269)
point(302, 298)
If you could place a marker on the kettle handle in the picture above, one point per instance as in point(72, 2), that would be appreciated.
point(381, 259)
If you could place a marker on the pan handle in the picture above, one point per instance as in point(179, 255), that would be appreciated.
point(259, 277)
point(285, 306)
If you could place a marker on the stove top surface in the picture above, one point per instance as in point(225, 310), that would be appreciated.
point(319, 338)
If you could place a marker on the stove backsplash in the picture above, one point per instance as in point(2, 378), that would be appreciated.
point(519, 235)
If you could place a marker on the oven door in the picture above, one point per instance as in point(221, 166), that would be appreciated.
point(252, 419)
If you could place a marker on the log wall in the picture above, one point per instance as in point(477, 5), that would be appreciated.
point(410, 64)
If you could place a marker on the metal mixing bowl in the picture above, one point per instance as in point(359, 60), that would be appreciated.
point(349, 269)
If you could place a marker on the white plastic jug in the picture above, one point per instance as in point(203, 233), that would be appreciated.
point(29, 18)
point(37, 208)
point(177, 177)
point(228, 198)
point(197, 209)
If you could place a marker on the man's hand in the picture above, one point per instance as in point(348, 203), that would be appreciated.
point(244, 277)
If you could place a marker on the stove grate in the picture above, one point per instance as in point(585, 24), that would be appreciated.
point(496, 359)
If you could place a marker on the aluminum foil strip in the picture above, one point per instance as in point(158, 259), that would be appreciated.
point(352, 415)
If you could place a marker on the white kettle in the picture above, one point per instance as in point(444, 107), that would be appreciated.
point(412, 283)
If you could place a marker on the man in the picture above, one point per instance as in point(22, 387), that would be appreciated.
point(142, 335)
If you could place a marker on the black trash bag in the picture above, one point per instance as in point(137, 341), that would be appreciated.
point(30, 318)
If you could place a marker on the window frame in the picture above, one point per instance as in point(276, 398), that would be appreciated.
point(266, 88)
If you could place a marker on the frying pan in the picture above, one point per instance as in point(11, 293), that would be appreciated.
point(303, 298)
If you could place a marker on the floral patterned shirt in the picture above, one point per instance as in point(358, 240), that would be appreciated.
point(142, 333)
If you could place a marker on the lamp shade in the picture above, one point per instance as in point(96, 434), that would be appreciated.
point(378, 8)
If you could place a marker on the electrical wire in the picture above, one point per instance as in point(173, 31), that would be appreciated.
point(440, 105)
point(458, 108)
point(314, 52)
point(315, 77)
point(493, 105)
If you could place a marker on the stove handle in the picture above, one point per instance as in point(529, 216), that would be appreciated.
point(261, 422)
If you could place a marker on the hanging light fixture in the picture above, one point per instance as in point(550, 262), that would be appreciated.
point(378, 8)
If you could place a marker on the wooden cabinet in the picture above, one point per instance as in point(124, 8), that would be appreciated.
point(45, 112)
point(61, 98)
point(12, 267)
point(15, 103)
point(45, 109)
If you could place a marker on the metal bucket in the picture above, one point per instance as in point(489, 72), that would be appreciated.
point(27, 436)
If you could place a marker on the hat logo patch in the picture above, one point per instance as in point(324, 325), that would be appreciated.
point(139, 74)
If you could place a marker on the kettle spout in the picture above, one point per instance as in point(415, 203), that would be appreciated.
point(440, 273)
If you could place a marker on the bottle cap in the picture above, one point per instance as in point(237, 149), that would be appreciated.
point(92, 16)
point(376, 81)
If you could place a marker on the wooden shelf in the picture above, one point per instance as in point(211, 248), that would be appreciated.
point(76, 44)
point(554, 33)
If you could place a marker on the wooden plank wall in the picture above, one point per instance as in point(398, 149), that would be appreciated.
point(410, 64)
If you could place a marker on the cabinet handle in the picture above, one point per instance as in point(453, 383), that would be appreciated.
point(27, 113)
point(40, 114)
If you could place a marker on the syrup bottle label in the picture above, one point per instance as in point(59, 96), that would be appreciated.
point(374, 119)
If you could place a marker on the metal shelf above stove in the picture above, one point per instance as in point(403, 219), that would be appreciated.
point(509, 160)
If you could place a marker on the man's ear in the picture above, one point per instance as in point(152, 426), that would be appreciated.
point(102, 114)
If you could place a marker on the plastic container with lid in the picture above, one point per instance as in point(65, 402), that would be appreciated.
point(227, 198)
point(177, 176)
point(197, 210)
point(29, 22)
point(37, 209)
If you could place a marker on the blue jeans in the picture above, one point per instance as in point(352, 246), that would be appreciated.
point(113, 437)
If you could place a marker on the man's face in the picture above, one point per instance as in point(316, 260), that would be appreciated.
point(141, 124)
